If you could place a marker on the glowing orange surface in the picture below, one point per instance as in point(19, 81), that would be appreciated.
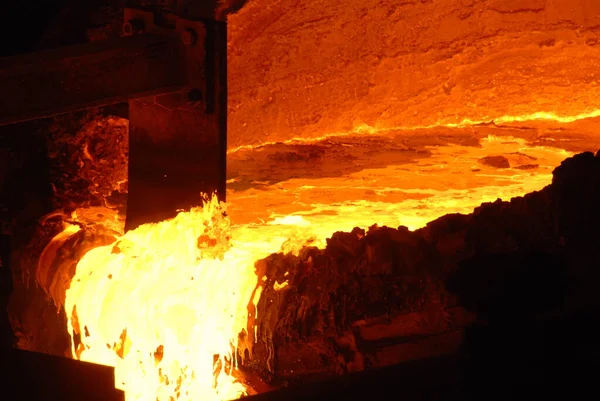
point(157, 309)
point(321, 67)
point(449, 181)
point(364, 129)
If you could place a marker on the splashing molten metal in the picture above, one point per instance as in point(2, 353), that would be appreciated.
point(164, 305)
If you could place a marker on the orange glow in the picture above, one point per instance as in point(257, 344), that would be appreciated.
point(164, 299)
point(365, 129)
point(451, 180)
point(316, 92)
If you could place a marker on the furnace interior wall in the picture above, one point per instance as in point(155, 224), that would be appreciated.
point(316, 67)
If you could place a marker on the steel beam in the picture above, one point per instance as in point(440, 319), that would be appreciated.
point(77, 77)
point(178, 141)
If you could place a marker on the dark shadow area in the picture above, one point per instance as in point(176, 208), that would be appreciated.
point(6, 334)
point(24, 23)
point(32, 376)
point(25, 196)
point(524, 344)
point(512, 287)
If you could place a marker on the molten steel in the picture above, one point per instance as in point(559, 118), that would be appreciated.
point(164, 305)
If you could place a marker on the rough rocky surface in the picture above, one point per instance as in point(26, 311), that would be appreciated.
point(495, 161)
point(390, 295)
point(311, 68)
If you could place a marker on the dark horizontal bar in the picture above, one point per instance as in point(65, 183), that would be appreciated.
point(407, 382)
point(32, 376)
point(78, 77)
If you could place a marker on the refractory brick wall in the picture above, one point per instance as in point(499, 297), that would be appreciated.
point(308, 68)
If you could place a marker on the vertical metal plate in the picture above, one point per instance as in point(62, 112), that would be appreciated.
point(177, 144)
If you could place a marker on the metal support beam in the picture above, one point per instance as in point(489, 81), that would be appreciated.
point(96, 74)
point(178, 141)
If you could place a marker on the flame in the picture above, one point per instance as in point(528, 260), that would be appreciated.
point(161, 304)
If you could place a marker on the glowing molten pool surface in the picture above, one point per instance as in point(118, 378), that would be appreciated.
point(166, 309)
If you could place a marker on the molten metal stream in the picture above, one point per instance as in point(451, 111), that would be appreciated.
point(165, 303)
point(155, 307)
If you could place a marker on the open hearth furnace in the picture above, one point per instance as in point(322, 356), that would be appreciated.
point(410, 184)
